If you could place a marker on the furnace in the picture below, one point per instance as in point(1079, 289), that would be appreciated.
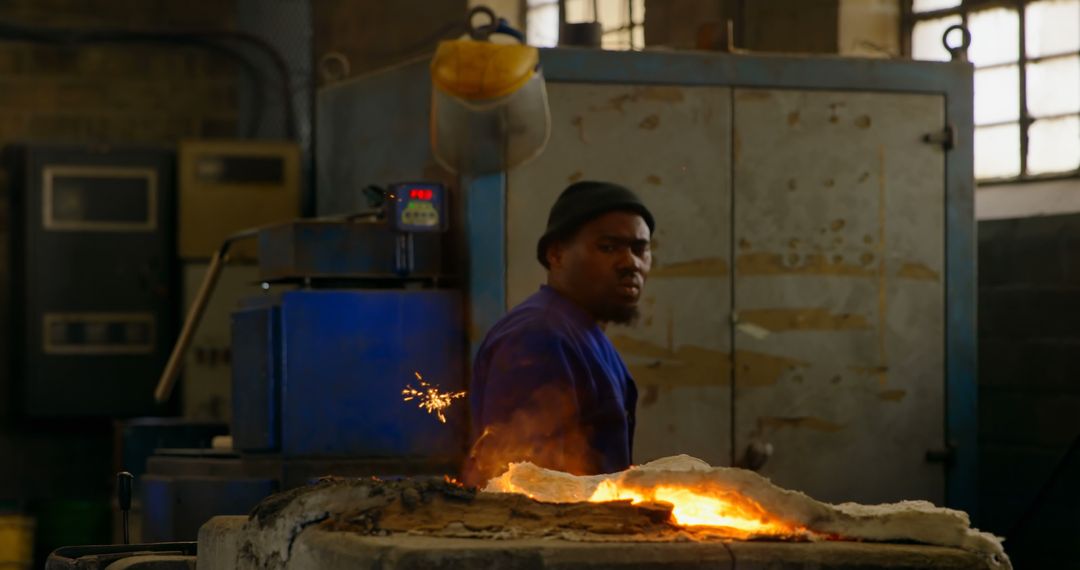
point(556, 520)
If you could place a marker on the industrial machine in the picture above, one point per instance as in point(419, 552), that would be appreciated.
point(225, 186)
point(352, 312)
point(229, 185)
point(87, 291)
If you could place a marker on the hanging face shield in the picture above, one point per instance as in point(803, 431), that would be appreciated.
point(489, 108)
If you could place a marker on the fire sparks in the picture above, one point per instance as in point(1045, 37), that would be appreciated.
point(429, 398)
point(734, 515)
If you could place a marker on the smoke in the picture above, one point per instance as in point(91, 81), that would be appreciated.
point(547, 431)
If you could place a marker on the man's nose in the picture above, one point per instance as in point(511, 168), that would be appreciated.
point(628, 261)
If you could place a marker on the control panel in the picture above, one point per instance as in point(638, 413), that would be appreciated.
point(419, 206)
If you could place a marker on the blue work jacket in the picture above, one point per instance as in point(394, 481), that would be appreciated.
point(548, 387)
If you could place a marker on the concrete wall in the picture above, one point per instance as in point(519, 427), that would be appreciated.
point(801, 26)
point(867, 28)
point(675, 23)
point(1053, 197)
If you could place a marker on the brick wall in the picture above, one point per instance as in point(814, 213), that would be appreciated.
point(372, 35)
point(794, 26)
point(61, 472)
point(1029, 383)
point(133, 93)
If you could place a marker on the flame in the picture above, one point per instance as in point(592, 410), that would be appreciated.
point(429, 398)
point(703, 507)
point(731, 513)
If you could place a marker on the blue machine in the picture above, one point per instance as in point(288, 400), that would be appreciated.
point(319, 370)
point(321, 373)
point(352, 314)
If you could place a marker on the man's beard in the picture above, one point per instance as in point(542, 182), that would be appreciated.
point(618, 314)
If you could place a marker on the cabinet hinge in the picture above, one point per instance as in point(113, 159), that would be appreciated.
point(945, 137)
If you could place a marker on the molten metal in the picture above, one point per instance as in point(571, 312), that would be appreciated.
point(729, 513)
point(429, 398)
point(697, 503)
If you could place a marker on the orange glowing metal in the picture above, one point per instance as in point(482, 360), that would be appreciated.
point(736, 515)
point(429, 398)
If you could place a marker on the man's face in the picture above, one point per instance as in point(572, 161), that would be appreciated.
point(603, 267)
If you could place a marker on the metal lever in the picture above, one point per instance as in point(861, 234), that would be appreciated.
point(757, 453)
point(124, 481)
point(172, 368)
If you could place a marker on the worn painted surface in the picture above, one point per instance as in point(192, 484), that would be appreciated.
point(841, 244)
point(707, 267)
point(798, 318)
point(672, 146)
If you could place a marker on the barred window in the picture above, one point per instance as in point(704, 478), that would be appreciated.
point(1026, 55)
point(622, 21)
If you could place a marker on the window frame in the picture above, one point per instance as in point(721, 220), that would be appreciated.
point(526, 9)
point(909, 18)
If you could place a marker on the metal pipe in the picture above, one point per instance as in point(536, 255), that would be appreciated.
point(167, 381)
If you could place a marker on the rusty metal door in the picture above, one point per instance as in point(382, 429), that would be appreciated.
point(671, 145)
point(839, 302)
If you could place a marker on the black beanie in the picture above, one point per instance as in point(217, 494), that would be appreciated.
point(584, 201)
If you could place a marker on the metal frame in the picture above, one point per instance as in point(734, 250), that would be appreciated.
point(486, 232)
point(50, 173)
point(630, 25)
point(485, 208)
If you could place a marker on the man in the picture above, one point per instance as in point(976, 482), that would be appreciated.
point(548, 386)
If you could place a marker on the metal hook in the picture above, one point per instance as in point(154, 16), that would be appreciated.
point(957, 53)
point(482, 32)
point(495, 25)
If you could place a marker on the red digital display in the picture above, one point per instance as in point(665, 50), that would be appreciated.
point(421, 194)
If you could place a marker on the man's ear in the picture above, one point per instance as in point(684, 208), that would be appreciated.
point(554, 253)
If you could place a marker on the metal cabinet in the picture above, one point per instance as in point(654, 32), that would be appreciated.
point(813, 279)
point(839, 304)
point(90, 296)
point(826, 340)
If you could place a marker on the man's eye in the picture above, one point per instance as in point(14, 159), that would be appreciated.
point(607, 248)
